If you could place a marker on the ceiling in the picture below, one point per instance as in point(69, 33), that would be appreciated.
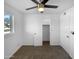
point(21, 5)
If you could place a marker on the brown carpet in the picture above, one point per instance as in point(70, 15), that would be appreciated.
point(43, 52)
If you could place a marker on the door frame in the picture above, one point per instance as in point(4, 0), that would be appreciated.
point(49, 33)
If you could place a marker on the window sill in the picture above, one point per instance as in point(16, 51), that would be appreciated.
point(6, 33)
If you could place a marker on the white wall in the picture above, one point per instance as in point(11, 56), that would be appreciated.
point(13, 41)
point(33, 24)
point(66, 27)
point(55, 30)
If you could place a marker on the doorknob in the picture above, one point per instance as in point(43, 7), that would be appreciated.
point(72, 32)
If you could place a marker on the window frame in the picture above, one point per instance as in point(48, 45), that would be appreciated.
point(12, 28)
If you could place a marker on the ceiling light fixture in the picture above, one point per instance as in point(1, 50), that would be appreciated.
point(40, 7)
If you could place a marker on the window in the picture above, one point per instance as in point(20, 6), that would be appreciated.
point(8, 24)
